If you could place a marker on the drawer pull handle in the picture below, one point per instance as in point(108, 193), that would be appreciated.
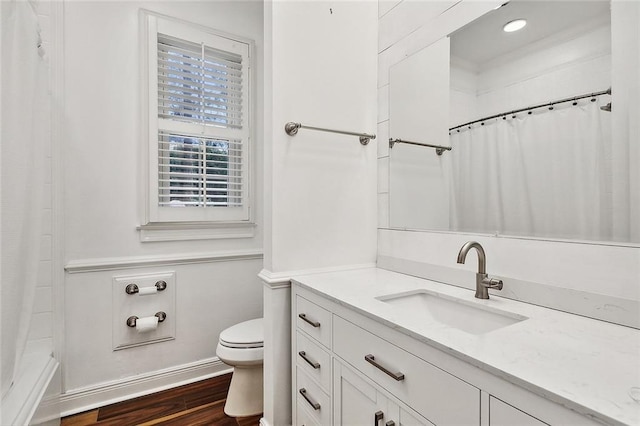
point(379, 415)
point(316, 324)
point(372, 360)
point(390, 423)
point(304, 356)
point(314, 404)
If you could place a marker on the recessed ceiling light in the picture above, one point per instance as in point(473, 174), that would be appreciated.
point(515, 25)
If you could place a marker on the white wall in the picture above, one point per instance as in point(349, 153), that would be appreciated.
point(592, 279)
point(322, 193)
point(216, 280)
point(209, 298)
point(319, 187)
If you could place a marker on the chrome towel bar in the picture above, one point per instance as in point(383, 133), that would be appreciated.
point(439, 148)
point(291, 129)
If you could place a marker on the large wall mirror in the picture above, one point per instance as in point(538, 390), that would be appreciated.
point(529, 117)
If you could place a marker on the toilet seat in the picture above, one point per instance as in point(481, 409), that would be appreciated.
point(240, 357)
point(241, 345)
point(245, 335)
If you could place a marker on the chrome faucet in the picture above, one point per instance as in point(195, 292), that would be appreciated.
point(483, 281)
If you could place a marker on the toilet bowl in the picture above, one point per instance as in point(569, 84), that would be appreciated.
point(241, 346)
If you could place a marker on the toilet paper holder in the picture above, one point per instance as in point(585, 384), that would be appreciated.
point(133, 288)
point(131, 321)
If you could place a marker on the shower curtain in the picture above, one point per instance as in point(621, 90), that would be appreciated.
point(24, 93)
point(545, 174)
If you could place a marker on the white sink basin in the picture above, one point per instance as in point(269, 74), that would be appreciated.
point(457, 313)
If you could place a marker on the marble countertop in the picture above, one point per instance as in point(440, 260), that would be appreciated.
point(586, 365)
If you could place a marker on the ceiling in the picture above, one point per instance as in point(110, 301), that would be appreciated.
point(483, 39)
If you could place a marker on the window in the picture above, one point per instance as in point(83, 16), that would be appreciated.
point(199, 124)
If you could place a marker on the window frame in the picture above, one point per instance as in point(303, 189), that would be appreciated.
point(158, 219)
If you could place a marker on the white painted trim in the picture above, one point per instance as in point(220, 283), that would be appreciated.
point(264, 422)
point(274, 280)
point(153, 232)
point(150, 23)
point(88, 398)
point(282, 279)
point(21, 402)
point(115, 263)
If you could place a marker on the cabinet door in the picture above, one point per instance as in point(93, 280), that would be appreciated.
point(357, 402)
point(501, 414)
point(408, 418)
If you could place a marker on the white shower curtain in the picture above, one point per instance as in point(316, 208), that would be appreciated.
point(24, 92)
point(546, 174)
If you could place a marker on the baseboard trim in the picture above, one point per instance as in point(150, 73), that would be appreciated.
point(263, 422)
point(92, 397)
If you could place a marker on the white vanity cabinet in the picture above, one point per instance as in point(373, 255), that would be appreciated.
point(346, 375)
point(350, 369)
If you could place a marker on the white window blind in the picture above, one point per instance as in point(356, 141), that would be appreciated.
point(199, 132)
point(195, 171)
point(199, 84)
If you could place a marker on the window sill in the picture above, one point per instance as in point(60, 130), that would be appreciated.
point(185, 231)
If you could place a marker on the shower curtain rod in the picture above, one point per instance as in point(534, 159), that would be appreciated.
point(549, 104)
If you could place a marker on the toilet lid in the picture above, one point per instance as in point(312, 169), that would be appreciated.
point(248, 334)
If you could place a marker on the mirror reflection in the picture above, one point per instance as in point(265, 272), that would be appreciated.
point(529, 116)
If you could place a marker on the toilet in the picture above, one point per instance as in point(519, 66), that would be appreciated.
point(241, 346)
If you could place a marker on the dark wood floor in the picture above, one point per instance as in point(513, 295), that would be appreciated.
point(200, 403)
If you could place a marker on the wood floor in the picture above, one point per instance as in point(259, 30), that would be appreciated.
point(199, 403)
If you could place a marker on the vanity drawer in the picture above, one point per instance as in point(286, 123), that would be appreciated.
point(314, 320)
point(313, 360)
point(435, 394)
point(303, 418)
point(309, 395)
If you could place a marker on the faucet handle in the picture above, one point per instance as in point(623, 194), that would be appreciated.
point(492, 283)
